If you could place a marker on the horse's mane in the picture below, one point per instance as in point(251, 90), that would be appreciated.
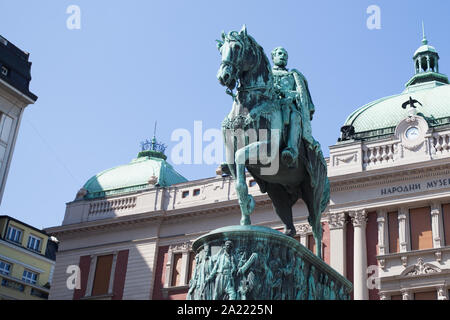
point(236, 36)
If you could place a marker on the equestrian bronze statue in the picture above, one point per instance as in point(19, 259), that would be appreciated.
point(268, 132)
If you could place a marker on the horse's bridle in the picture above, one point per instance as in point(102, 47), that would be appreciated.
point(238, 69)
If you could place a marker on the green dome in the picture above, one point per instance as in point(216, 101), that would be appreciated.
point(380, 117)
point(141, 173)
point(423, 49)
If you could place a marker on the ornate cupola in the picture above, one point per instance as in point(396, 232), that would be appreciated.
point(426, 65)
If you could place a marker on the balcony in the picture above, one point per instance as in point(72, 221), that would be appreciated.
point(21, 290)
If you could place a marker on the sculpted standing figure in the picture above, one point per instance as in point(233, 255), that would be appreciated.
point(195, 283)
point(199, 289)
point(296, 104)
point(224, 271)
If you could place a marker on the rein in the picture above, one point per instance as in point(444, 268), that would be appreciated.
point(241, 88)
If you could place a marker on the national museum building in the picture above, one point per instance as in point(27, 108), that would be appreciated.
point(387, 226)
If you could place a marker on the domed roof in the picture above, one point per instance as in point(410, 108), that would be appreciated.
point(425, 48)
point(428, 88)
point(141, 173)
point(388, 112)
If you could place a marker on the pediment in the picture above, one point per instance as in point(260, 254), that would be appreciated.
point(420, 268)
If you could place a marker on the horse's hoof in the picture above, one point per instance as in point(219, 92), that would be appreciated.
point(290, 232)
point(245, 221)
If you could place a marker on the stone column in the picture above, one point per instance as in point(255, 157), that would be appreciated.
point(336, 221)
point(383, 236)
point(406, 295)
point(435, 224)
point(441, 293)
point(303, 231)
point(360, 290)
point(403, 227)
point(383, 296)
point(383, 245)
point(428, 63)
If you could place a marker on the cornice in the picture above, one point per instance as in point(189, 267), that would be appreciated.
point(383, 178)
point(102, 224)
point(173, 215)
point(26, 251)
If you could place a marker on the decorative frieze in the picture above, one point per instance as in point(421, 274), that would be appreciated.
point(181, 247)
point(420, 268)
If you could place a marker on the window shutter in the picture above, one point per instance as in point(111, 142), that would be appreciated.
point(102, 275)
point(84, 264)
point(420, 222)
point(176, 273)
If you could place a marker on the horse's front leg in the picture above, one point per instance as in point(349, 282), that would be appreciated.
point(251, 152)
point(246, 201)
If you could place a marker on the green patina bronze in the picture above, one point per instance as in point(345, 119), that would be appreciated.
point(259, 263)
point(268, 132)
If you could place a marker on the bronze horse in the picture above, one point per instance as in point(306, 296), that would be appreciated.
point(254, 135)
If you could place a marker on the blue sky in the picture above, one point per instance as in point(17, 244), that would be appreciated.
point(101, 88)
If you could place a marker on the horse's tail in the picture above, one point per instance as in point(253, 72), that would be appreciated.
point(319, 194)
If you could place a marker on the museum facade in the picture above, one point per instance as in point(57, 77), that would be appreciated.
point(387, 227)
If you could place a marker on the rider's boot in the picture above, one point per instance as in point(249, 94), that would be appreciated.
point(289, 156)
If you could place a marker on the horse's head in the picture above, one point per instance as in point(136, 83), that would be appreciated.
point(237, 57)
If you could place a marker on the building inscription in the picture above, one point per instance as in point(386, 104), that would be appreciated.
point(432, 184)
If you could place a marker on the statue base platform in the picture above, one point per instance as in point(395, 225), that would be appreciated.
point(259, 263)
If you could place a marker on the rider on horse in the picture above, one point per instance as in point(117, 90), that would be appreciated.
point(297, 106)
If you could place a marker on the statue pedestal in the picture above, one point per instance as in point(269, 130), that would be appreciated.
point(259, 263)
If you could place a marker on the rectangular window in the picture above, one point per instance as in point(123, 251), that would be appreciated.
point(196, 192)
point(446, 218)
point(14, 234)
point(176, 272)
point(4, 71)
point(191, 266)
point(34, 243)
point(5, 128)
point(185, 194)
point(420, 224)
point(311, 243)
point(430, 295)
point(102, 275)
point(5, 268)
point(394, 242)
point(252, 183)
point(29, 277)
